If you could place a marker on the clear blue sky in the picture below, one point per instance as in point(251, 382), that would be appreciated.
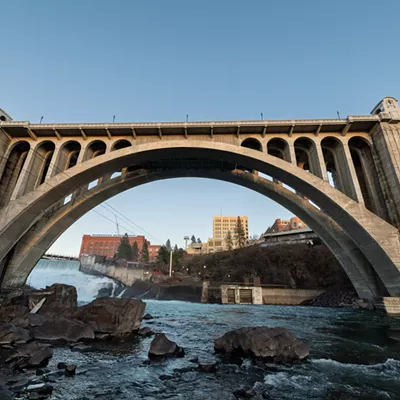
point(76, 61)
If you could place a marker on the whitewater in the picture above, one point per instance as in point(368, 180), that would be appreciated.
point(352, 355)
point(47, 272)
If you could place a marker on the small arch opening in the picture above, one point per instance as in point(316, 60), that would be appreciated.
point(303, 147)
point(278, 148)
point(121, 144)
point(330, 148)
point(45, 152)
point(367, 175)
point(12, 170)
point(95, 149)
point(70, 154)
point(251, 143)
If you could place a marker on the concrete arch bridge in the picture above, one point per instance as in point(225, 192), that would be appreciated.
point(344, 174)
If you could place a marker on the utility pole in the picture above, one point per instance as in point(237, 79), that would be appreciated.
point(170, 263)
point(116, 221)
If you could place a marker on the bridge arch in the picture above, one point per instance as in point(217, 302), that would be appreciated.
point(42, 235)
point(376, 240)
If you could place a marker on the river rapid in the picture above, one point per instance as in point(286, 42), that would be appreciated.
point(352, 353)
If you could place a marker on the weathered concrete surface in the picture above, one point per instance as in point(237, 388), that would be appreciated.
point(370, 240)
point(288, 296)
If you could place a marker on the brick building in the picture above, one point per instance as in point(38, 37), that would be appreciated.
point(107, 245)
point(282, 225)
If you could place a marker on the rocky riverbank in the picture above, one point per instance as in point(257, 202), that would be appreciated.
point(34, 324)
point(339, 299)
point(32, 321)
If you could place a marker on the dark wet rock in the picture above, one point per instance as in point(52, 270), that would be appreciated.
point(12, 312)
point(62, 330)
point(244, 393)
point(19, 385)
point(41, 357)
point(113, 315)
point(147, 316)
point(81, 348)
point(53, 376)
point(11, 334)
point(265, 394)
point(394, 334)
point(145, 332)
point(184, 370)
point(207, 368)
point(60, 299)
point(62, 365)
point(339, 298)
point(70, 370)
point(194, 360)
point(6, 394)
point(277, 345)
point(161, 346)
point(166, 377)
point(40, 388)
point(31, 355)
point(16, 378)
point(103, 336)
point(42, 371)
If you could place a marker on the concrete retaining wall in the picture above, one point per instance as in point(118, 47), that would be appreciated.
point(288, 296)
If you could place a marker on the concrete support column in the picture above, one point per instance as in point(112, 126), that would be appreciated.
point(292, 154)
point(317, 162)
point(4, 151)
point(386, 139)
point(26, 174)
point(54, 167)
point(82, 153)
point(321, 163)
point(204, 293)
point(349, 179)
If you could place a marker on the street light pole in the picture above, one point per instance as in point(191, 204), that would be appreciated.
point(170, 263)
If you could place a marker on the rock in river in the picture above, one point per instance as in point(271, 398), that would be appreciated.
point(32, 355)
point(276, 345)
point(112, 315)
point(62, 329)
point(161, 346)
point(11, 334)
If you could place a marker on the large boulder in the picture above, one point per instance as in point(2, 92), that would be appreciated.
point(61, 330)
point(32, 355)
point(11, 334)
point(10, 312)
point(60, 299)
point(112, 315)
point(277, 345)
point(161, 346)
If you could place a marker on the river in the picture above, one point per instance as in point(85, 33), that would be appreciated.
point(352, 355)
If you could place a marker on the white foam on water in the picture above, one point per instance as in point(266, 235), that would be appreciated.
point(47, 272)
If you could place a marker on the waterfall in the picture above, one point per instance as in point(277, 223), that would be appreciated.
point(47, 272)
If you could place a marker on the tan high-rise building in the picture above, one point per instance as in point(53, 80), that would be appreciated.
point(221, 226)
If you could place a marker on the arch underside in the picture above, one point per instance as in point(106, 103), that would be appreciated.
point(347, 230)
